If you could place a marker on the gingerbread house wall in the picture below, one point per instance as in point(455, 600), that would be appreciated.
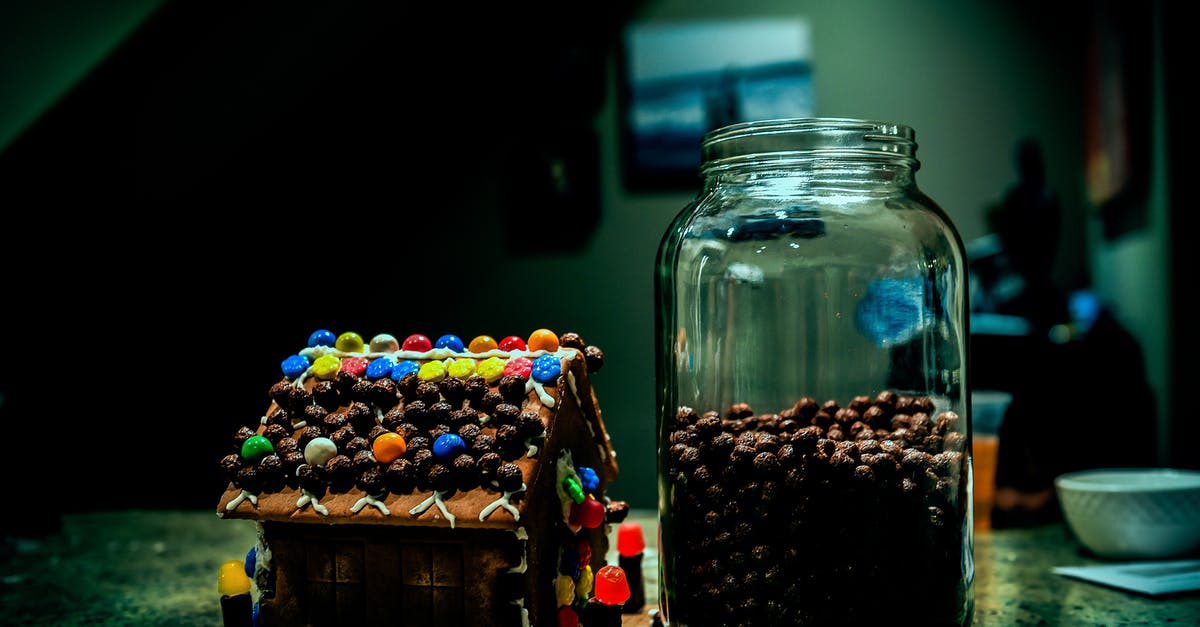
point(568, 431)
point(376, 575)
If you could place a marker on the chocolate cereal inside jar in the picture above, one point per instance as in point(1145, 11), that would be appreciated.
point(837, 512)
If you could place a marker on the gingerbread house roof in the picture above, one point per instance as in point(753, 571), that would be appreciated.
point(421, 432)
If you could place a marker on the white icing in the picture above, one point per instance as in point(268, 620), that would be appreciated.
point(264, 420)
point(309, 497)
point(546, 399)
point(434, 499)
point(524, 612)
point(566, 468)
point(378, 504)
point(575, 392)
point(244, 496)
point(503, 501)
point(300, 425)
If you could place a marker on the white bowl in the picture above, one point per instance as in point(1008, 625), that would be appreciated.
point(1133, 513)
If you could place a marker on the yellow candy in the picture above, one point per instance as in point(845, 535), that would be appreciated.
point(564, 588)
point(543, 340)
point(432, 371)
point(462, 368)
point(232, 579)
point(584, 587)
point(483, 344)
point(491, 369)
point(349, 342)
point(326, 366)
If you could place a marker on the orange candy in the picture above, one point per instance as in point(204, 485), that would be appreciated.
point(482, 344)
point(543, 340)
point(388, 447)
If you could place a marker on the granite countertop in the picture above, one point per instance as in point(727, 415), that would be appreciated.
point(159, 567)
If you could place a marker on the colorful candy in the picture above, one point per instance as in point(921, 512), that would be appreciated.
point(567, 617)
point(546, 369)
point(483, 344)
point(380, 368)
point(256, 447)
point(349, 342)
point(569, 564)
point(232, 579)
point(384, 343)
point(543, 340)
point(294, 366)
point(585, 552)
point(518, 366)
point(403, 368)
point(356, 366)
point(326, 366)
point(589, 514)
point(321, 337)
point(417, 342)
point(388, 447)
point(251, 557)
point(512, 343)
point(586, 580)
point(573, 490)
point(588, 478)
point(630, 541)
point(432, 371)
point(611, 587)
point(564, 589)
point(448, 446)
point(461, 368)
point(491, 369)
point(452, 342)
point(319, 450)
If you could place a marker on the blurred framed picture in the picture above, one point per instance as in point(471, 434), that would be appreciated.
point(683, 79)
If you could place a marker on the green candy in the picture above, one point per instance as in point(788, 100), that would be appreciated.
point(574, 490)
point(256, 447)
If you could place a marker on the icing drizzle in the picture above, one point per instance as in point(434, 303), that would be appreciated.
point(244, 496)
point(434, 499)
point(309, 497)
point(378, 504)
point(503, 501)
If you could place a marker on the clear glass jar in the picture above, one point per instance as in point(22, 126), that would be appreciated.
point(812, 352)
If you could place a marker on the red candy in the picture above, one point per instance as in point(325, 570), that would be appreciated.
point(611, 587)
point(519, 366)
point(356, 366)
point(417, 342)
point(512, 343)
point(630, 541)
point(589, 514)
point(567, 617)
point(585, 552)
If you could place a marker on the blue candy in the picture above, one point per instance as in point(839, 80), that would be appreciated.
point(322, 337)
point(380, 368)
point(254, 615)
point(251, 557)
point(546, 369)
point(588, 478)
point(452, 342)
point(448, 446)
point(403, 368)
point(294, 366)
point(570, 565)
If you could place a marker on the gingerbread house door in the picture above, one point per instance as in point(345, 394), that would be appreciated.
point(357, 582)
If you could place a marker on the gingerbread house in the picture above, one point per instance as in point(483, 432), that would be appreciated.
point(426, 483)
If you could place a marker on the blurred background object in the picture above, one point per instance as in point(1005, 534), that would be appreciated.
point(188, 189)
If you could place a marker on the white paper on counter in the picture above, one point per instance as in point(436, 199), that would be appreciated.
point(1145, 577)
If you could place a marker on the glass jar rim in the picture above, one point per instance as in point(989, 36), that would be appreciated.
point(805, 139)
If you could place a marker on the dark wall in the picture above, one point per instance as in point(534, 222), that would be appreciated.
point(237, 175)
